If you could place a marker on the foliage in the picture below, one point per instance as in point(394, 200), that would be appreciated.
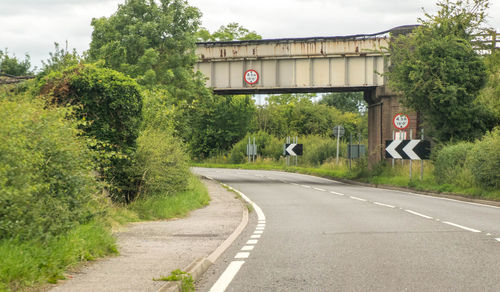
point(13, 65)
point(166, 206)
point(231, 32)
point(110, 105)
point(292, 114)
point(161, 162)
point(59, 60)
point(439, 74)
point(484, 159)
point(46, 182)
point(490, 94)
point(153, 42)
point(345, 101)
point(267, 146)
point(32, 262)
point(213, 123)
point(450, 164)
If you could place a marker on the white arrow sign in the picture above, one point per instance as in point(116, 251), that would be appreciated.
point(289, 149)
point(408, 149)
point(392, 149)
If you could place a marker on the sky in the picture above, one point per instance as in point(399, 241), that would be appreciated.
point(32, 26)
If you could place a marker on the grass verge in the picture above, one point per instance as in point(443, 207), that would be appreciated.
point(30, 263)
point(34, 263)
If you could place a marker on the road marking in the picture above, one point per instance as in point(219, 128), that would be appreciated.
point(258, 232)
point(321, 190)
point(498, 239)
point(252, 241)
point(356, 198)
point(335, 193)
point(462, 227)
point(305, 186)
point(260, 228)
point(294, 184)
point(227, 276)
point(385, 205)
point(242, 255)
point(255, 236)
point(261, 225)
point(419, 214)
point(247, 247)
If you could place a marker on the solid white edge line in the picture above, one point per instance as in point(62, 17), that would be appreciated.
point(419, 214)
point(385, 205)
point(356, 198)
point(227, 276)
point(462, 227)
point(258, 210)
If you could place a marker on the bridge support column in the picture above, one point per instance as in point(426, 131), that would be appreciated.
point(383, 104)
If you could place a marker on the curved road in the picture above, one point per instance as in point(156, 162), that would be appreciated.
point(322, 235)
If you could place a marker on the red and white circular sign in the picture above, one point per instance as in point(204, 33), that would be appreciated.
point(251, 76)
point(401, 121)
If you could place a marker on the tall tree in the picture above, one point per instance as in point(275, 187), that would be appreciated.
point(231, 32)
point(439, 74)
point(345, 101)
point(153, 42)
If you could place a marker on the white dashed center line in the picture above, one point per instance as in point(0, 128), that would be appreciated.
point(419, 214)
point(384, 205)
point(356, 198)
point(462, 227)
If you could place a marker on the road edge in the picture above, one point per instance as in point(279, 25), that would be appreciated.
point(199, 266)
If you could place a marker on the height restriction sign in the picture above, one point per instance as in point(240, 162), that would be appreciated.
point(401, 121)
point(251, 76)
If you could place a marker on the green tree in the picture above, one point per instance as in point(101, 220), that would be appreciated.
point(439, 74)
point(231, 32)
point(490, 94)
point(13, 66)
point(59, 60)
point(110, 106)
point(345, 101)
point(151, 42)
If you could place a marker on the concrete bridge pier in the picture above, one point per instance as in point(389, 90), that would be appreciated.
point(383, 104)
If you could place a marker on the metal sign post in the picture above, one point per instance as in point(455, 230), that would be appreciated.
point(338, 131)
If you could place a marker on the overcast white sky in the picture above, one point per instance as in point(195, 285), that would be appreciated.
point(32, 26)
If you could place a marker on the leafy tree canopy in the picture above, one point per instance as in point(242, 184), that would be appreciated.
point(345, 101)
point(439, 74)
point(13, 66)
point(231, 32)
point(148, 41)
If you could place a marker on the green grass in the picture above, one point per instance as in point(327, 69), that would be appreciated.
point(34, 263)
point(172, 206)
point(30, 263)
point(382, 175)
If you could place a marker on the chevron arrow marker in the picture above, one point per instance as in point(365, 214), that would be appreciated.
point(391, 149)
point(408, 149)
point(289, 149)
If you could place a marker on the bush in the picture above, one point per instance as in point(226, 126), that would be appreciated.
point(161, 163)
point(111, 106)
point(484, 160)
point(46, 181)
point(318, 149)
point(450, 164)
point(267, 146)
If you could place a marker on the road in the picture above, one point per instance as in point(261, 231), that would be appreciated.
point(322, 235)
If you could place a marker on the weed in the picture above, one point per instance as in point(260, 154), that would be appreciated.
point(187, 282)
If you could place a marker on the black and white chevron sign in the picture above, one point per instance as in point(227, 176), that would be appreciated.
point(408, 149)
point(293, 149)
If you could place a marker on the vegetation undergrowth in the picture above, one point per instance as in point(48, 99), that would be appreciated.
point(186, 280)
point(28, 263)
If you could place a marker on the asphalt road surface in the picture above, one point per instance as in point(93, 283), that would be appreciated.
point(313, 234)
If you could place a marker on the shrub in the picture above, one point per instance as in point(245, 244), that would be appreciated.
point(46, 181)
point(267, 146)
point(161, 163)
point(110, 104)
point(450, 164)
point(318, 149)
point(484, 159)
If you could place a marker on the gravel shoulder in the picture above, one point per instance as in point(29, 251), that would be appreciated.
point(153, 249)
